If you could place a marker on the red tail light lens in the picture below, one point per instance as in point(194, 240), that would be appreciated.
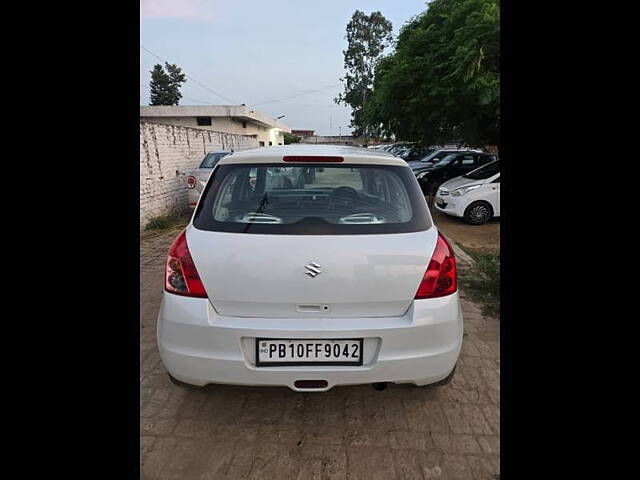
point(181, 276)
point(191, 181)
point(440, 278)
point(313, 159)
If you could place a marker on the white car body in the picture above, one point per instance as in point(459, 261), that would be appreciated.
point(201, 175)
point(457, 194)
point(263, 286)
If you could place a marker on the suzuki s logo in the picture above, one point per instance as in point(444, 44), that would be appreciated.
point(313, 269)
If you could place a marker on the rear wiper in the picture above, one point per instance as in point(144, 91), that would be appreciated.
point(255, 217)
point(360, 218)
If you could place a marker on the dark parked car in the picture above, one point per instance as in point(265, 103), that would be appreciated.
point(452, 165)
point(414, 152)
point(398, 148)
point(435, 155)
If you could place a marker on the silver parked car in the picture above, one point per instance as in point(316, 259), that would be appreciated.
point(197, 179)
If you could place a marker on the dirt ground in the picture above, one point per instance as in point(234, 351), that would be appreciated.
point(470, 237)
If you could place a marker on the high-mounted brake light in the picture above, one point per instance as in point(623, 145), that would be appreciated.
point(440, 278)
point(181, 276)
point(191, 181)
point(312, 158)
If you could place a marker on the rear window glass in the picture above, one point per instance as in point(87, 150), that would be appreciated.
point(312, 199)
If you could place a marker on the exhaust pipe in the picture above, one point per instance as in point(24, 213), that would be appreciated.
point(380, 386)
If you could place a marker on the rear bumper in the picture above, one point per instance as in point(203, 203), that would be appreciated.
point(198, 346)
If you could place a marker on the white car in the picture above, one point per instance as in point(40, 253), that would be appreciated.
point(474, 196)
point(197, 179)
point(335, 276)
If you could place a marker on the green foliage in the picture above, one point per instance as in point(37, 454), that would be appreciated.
point(442, 83)
point(482, 282)
point(163, 222)
point(367, 37)
point(165, 84)
point(289, 138)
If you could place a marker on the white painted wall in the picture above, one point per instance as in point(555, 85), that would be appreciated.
point(167, 149)
point(224, 124)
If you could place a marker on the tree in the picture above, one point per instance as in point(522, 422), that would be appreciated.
point(442, 83)
point(289, 138)
point(165, 84)
point(367, 37)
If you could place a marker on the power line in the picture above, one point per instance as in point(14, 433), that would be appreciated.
point(193, 79)
point(195, 100)
point(186, 98)
point(233, 101)
point(298, 95)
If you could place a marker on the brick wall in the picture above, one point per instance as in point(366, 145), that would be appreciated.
point(167, 149)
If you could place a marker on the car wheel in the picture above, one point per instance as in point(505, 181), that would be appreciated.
point(478, 213)
point(186, 386)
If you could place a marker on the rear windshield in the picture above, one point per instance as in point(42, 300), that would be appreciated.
point(211, 159)
point(312, 200)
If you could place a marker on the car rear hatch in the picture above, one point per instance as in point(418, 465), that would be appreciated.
point(292, 276)
point(312, 236)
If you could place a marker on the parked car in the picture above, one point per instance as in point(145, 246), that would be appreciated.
point(337, 277)
point(432, 157)
point(398, 148)
point(197, 179)
point(414, 152)
point(450, 166)
point(421, 153)
point(474, 196)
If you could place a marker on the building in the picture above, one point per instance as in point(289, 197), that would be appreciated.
point(334, 140)
point(237, 119)
point(303, 133)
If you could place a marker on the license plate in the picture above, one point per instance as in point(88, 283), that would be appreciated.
point(439, 201)
point(280, 351)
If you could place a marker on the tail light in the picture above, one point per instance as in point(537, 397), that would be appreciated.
point(440, 278)
point(181, 276)
point(191, 181)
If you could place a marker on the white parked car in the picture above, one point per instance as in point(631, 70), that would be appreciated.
point(474, 196)
point(334, 275)
point(197, 179)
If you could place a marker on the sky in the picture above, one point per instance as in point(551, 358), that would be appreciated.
point(259, 52)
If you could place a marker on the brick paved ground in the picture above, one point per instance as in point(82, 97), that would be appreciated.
point(403, 432)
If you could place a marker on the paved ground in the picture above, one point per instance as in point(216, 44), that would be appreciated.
point(469, 237)
point(404, 432)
